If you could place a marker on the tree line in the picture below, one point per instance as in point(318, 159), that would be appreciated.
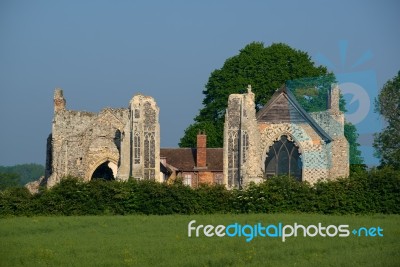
point(19, 175)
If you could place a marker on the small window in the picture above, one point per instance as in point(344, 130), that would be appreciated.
point(187, 179)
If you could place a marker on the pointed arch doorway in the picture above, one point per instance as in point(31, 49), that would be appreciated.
point(106, 171)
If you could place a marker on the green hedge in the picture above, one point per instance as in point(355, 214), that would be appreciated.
point(376, 191)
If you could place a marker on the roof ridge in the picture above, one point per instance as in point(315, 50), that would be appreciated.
point(292, 99)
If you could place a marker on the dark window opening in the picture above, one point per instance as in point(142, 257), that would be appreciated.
point(283, 158)
point(103, 172)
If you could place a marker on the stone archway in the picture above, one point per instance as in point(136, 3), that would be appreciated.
point(106, 170)
point(102, 151)
point(106, 161)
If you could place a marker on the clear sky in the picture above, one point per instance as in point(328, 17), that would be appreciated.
point(103, 52)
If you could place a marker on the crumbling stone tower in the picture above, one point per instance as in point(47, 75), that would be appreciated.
point(112, 144)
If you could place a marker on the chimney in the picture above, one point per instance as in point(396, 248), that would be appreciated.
point(201, 150)
point(59, 100)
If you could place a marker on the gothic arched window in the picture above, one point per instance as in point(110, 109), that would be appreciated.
point(283, 157)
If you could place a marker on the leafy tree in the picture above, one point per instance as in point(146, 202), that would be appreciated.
point(387, 143)
point(8, 180)
point(356, 161)
point(212, 130)
point(266, 69)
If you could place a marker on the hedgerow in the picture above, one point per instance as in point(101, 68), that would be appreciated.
point(376, 191)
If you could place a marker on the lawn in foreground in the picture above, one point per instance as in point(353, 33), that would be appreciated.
point(140, 240)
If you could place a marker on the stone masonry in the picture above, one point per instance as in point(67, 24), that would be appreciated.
point(323, 151)
point(281, 138)
point(124, 141)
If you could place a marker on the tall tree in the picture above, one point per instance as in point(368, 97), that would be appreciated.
point(266, 69)
point(387, 143)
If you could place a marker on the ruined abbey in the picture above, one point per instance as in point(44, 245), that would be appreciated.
point(281, 138)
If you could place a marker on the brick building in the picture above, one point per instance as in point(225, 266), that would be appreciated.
point(194, 165)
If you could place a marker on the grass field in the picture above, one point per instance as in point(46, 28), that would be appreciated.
point(163, 241)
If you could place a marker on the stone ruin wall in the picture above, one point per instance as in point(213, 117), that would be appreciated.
point(81, 141)
point(332, 121)
point(246, 142)
point(140, 147)
point(129, 138)
point(311, 148)
point(241, 142)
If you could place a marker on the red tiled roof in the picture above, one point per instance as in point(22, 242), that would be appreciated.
point(184, 159)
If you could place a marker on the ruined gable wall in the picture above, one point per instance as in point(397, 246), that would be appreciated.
point(71, 122)
point(78, 148)
point(80, 141)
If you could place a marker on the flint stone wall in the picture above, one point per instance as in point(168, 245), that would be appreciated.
point(81, 141)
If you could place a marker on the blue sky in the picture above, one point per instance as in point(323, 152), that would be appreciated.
point(103, 52)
